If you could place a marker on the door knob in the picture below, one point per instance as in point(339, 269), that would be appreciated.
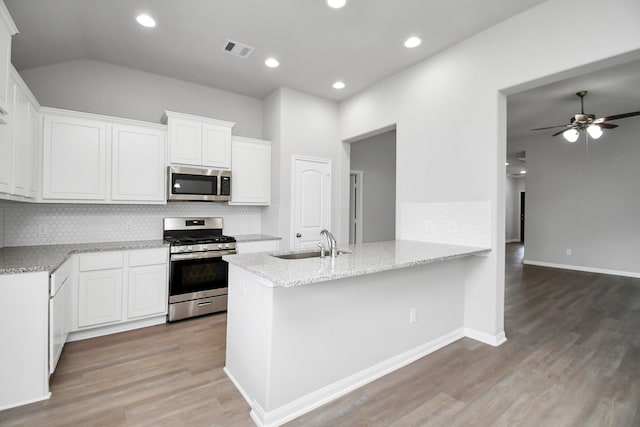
point(298, 235)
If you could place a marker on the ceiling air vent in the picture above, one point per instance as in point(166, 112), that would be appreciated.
point(237, 49)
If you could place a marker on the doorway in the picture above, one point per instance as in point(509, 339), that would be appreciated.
point(374, 156)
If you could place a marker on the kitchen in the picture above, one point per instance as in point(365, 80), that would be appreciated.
point(82, 85)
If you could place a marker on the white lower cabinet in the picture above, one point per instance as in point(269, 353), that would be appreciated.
point(100, 289)
point(60, 286)
point(116, 289)
point(100, 297)
point(24, 322)
point(147, 284)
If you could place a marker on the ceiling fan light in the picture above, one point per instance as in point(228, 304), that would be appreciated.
point(571, 135)
point(594, 131)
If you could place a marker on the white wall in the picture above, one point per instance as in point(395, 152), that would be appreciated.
point(28, 224)
point(102, 88)
point(376, 158)
point(450, 112)
point(301, 124)
point(584, 199)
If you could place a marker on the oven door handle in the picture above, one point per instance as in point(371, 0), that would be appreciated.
point(201, 255)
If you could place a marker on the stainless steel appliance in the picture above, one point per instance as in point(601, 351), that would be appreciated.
point(198, 184)
point(197, 274)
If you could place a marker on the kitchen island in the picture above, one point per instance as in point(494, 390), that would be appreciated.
point(302, 332)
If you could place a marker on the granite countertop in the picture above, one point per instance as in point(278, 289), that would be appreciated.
point(25, 259)
point(364, 258)
point(255, 238)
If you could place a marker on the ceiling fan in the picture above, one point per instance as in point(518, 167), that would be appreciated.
point(587, 122)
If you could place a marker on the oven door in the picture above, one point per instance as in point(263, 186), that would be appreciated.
point(197, 275)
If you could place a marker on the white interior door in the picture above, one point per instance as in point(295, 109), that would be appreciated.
point(311, 200)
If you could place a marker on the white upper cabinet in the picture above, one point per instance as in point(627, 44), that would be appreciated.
point(26, 124)
point(20, 142)
point(199, 141)
point(7, 30)
point(6, 154)
point(251, 168)
point(74, 158)
point(138, 163)
point(91, 158)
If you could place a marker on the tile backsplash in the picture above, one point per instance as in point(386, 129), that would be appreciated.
point(458, 223)
point(27, 224)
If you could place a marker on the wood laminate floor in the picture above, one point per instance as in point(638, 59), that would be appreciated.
point(572, 359)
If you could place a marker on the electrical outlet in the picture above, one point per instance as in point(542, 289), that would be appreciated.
point(569, 252)
point(42, 229)
point(413, 315)
point(128, 226)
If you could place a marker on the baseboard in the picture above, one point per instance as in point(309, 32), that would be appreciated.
point(26, 402)
point(114, 329)
point(298, 407)
point(494, 340)
point(581, 268)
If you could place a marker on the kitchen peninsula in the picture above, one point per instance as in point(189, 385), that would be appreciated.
point(302, 332)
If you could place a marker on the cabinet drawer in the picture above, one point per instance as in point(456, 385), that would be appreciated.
point(101, 261)
point(148, 257)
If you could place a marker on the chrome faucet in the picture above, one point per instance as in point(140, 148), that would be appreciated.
point(331, 241)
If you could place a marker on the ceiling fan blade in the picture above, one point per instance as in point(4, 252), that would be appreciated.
point(616, 117)
point(550, 127)
point(558, 133)
point(607, 125)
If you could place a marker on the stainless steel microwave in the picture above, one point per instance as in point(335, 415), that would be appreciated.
point(198, 184)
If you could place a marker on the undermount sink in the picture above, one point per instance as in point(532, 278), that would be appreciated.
point(303, 255)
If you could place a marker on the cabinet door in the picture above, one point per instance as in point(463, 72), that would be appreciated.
point(251, 168)
point(216, 146)
point(74, 158)
point(185, 142)
point(5, 60)
point(21, 141)
point(6, 154)
point(99, 297)
point(33, 157)
point(147, 291)
point(138, 164)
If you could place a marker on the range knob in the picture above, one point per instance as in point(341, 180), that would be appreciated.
point(190, 248)
point(220, 246)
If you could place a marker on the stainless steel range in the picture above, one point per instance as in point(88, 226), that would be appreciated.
point(198, 275)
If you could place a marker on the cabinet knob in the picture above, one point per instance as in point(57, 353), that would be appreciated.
point(298, 235)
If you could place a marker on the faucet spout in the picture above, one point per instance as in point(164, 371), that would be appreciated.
point(331, 241)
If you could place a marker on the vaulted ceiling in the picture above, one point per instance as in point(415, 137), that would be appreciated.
point(359, 44)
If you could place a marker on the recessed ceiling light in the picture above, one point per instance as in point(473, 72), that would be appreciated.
point(146, 21)
point(336, 4)
point(506, 163)
point(412, 42)
point(271, 63)
point(523, 172)
point(339, 85)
